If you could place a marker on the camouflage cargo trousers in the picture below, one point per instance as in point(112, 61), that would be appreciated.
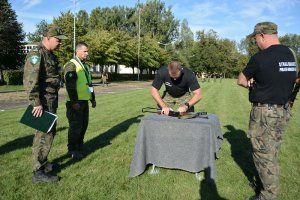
point(42, 142)
point(266, 128)
point(174, 102)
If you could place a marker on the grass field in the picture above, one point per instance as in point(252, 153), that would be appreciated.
point(103, 174)
point(4, 88)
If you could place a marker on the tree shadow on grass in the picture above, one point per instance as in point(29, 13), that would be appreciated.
point(241, 151)
point(98, 142)
point(208, 188)
point(21, 143)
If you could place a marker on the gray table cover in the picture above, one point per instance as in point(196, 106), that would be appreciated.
point(187, 144)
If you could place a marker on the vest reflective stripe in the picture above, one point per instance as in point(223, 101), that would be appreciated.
point(83, 91)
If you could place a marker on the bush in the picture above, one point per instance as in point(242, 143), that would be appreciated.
point(13, 77)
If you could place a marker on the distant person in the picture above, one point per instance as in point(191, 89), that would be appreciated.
point(203, 76)
point(104, 78)
point(221, 77)
point(214, 76)
point(41, 81)
point(269, 75)
point(179, 82)
point(80, 91)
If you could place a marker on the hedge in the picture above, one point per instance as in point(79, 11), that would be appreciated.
point(13, 77)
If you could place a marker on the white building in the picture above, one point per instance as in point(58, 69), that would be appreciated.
point(121, 69)
point(27, 47)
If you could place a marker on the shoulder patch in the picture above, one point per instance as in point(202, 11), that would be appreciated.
point(34, 59)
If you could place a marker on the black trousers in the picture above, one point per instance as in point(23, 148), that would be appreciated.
point(78, 123)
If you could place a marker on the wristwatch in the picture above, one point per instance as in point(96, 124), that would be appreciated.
point(187, 104)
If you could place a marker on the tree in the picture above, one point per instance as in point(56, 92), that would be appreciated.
point(66, 22)
point(151, 55)
point(185, 43)
point(127, 49)
point(11, 38)
point(102, 47)
point(37, 35)
point(117, 18)
point(82, 18)
point(214, 55)
point(205, 52)
point(159, 21)
point(292, 41)
point(248, 46)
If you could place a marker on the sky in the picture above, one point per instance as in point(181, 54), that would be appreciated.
point(232, 19)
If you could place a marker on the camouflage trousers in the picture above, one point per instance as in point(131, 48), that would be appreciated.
point(174, 102)
point(78, 123)
point(42, 142)
point(266, 128)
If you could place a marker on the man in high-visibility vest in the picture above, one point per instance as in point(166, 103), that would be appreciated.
point(79, 91)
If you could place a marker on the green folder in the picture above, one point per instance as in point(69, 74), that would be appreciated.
point(43, 123)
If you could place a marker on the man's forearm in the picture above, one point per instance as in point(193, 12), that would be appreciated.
point(197, 96)
point(156, 96)
point(242, 80)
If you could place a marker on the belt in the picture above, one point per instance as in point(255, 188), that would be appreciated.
point(268, 105)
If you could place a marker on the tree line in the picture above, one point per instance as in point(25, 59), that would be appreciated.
point(113, 38)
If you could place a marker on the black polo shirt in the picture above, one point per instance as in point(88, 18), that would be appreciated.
point(274, 71)
point(176, 88)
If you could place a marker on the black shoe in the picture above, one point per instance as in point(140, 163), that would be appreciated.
point(77, 155)
point(49, 167)
point(40, 177)
point(256, 197)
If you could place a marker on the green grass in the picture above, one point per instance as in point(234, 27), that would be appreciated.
point(103, 174)
point(4, 88)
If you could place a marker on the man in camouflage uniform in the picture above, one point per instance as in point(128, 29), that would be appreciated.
point(79, 92)
point(41, 81)
point(270, 75)
point(179, 81)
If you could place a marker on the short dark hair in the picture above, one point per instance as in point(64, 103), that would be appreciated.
point(174, 66)
point(81, 44)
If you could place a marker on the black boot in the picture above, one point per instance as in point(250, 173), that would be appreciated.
point(49, 167)
point(256, 197)
point(76, 155)
point(41, 177)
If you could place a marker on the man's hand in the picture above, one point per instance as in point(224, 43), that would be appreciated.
point(250, 83)
point(165, 111)
point(182, 109)
point(93, 104)
point(37, 111)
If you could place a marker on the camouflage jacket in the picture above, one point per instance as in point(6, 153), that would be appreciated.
point(41, 75)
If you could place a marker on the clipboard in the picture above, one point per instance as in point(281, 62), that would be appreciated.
point(43, 123)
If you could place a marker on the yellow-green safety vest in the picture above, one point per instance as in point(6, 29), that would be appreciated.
point(82, 84)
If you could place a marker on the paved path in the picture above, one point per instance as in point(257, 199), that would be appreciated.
point(11, 100)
